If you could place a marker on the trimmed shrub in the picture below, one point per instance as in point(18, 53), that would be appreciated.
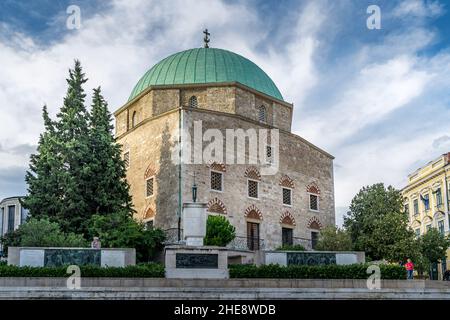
point(42, 233)
point(219, 231)
point(353, 271)
point(149, 270)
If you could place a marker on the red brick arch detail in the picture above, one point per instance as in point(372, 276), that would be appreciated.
point(286, 181)
point(252, 173)
point(217, 166)
point(217, 206)
point(287, 218)
point(313, 188)
point(150, 172)
point(253, 212)
point(148, 213)
point(314, 223)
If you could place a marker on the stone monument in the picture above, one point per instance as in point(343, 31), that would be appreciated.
point(194, 260)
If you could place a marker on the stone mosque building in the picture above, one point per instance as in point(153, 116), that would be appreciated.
point(223, 90)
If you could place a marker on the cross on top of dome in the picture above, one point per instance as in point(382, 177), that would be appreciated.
point(206, 38)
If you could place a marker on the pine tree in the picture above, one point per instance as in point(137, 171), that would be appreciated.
point(108, 191)
point(73, 144)
point(77, 171)
point(45, 191)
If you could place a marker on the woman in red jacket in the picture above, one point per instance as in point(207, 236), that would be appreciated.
point(409, 269)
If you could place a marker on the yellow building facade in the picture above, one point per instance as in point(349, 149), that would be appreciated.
point(426, 200)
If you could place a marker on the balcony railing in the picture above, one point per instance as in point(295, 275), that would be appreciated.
point(246, 243)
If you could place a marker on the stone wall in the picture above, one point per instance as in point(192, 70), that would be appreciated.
point(151, 146)
point(303, 163)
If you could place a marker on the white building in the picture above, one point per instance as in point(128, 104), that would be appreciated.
point(12, 214)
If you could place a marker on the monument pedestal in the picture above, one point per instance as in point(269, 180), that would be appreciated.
point(196, 262)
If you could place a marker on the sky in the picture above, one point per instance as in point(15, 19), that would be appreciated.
point(376, 99)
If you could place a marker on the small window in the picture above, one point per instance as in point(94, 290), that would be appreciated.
point(262, 114)
point(438, 198)
point(134, 119)
point(314, 239)
point(126, 159)
point(441, 227)
point(287, 196)
point(407, 209)
point(428, 227)
point(313, 202)
point(11, 217)
point(216, 181)
point(269, 154)
point(426, 202)
point(287, 236)
point(149, 187)
point(416, 206)
point(252, 188)
point(193, 102)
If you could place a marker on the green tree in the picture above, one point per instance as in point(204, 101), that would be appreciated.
point(43, 233)
point(377, 224)
point(77, 171)
point(45, 175)
point(219, 231)
point(118, 230)
point(64, 155)
point(108, 189)
point(433, 245)
point(334, 239)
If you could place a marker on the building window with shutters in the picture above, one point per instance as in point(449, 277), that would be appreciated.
point(149, 185)
point(269, 154)
point(252, 187)
point(262, 114)
point(314, 238)
point(313, 202)
point(252, 235)
point(193, 102)
point(287, 236)
point(287, 197)
point(216, 181)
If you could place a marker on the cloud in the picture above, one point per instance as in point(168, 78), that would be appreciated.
point(372, 98)
point(418, 8)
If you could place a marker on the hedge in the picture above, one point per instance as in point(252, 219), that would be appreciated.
point(353, 271)
point(150, 270)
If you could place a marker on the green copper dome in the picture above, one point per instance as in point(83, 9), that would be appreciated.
point(207, 65)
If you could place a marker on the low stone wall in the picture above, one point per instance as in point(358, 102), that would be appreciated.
point(51, 257)
point(193, 289)
point(286, 258)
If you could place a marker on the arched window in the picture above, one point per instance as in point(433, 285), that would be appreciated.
point(193, 102)
point(262, 114)
point(134, 119)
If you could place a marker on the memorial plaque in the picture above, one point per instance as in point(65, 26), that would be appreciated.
point(32, 258)
point(61, 257)
point(197, 260)
point(310, 259)
point(112, 258)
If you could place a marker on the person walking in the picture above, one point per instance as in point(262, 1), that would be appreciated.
point(409, 269)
